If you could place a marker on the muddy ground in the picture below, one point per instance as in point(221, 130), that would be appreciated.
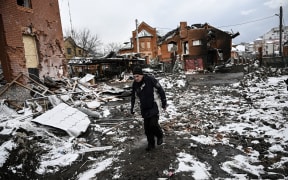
point(132, 161)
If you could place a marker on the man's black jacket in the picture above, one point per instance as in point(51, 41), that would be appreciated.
point(145, 91)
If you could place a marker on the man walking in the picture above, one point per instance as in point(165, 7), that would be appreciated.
point(144, 87)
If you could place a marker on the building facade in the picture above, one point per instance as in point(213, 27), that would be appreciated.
point(270, 41)
point(31, 38)
point(200, 46)
point(143, 42)
point(72, 49)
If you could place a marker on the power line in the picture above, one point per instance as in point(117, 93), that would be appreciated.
point(233, 24)
point(248, 22)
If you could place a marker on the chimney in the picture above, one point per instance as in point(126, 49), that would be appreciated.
point(183, 30)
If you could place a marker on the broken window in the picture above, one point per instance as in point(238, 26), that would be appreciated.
point(24, 3)
point(69, 51)
point(185, 47)
point(196, 42)
point(80, 52)
point(172, 47)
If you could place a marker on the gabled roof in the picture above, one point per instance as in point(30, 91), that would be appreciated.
point(168, 35)
point(71, 40)
point(144, 33)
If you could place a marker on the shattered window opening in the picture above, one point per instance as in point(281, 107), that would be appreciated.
point(185, 47)
point(172, 46)
point(25, 3)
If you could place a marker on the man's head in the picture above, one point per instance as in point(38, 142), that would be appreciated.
point(138, 74)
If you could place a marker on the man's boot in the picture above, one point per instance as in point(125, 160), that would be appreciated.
point(159, 141)
point(150, 147)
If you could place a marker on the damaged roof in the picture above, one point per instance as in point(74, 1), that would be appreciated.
point(176, 31)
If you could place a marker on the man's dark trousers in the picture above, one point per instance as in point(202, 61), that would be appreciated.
point(152, 128)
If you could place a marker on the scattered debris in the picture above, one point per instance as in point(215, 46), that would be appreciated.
point(221, 132)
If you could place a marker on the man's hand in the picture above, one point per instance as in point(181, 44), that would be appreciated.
point(132, 111)
point(164, 107)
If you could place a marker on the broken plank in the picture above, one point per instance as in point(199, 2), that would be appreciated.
point(114, 127)
point(42, 86)
point(28, 88)
point(128, 119)
point(103, 148)
point(10, 84)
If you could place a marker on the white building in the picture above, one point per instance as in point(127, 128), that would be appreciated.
point(270, 41)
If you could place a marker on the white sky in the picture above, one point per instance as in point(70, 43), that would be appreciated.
point(113, 21)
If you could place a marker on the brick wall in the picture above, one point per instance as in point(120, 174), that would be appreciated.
point(42, 21)
point(222, 41)
point(152, 51)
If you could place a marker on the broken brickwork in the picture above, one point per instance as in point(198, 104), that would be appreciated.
point(31, 26)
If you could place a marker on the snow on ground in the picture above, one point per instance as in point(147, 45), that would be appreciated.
point(269, 104)
point(260, 112)
point(190, 163)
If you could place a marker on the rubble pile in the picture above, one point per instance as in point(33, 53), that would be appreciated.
point(38, 119)
point(236, 130)
point(40, 97)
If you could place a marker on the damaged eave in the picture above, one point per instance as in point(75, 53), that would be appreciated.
point(235, 35)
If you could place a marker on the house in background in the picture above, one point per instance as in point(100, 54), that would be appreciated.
point(144, 42)
point(270, 41)
point(199, 46)
point(72, 49)
point(31, 39)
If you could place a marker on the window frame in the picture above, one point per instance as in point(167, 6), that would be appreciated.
point(69, 51)
point(24, 3)
point(197, 42)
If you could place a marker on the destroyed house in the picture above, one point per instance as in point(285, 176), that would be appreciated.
point(104, 67)
point(72, 49)
point(143, 42)
point(200, 46)
point(31, 40)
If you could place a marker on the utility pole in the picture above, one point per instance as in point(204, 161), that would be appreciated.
point(280, 31)
point(72, 31)
point(137, 38)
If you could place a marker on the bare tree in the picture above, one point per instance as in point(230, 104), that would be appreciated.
point(86, 40)
point(115, 47)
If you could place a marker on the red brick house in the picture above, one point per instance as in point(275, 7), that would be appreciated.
point(200, 46)
point(31, 39)
point(147, 40)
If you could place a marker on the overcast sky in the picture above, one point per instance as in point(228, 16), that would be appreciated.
point(113, 20)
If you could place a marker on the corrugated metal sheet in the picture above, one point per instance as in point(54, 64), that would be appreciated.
point(64, 117)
